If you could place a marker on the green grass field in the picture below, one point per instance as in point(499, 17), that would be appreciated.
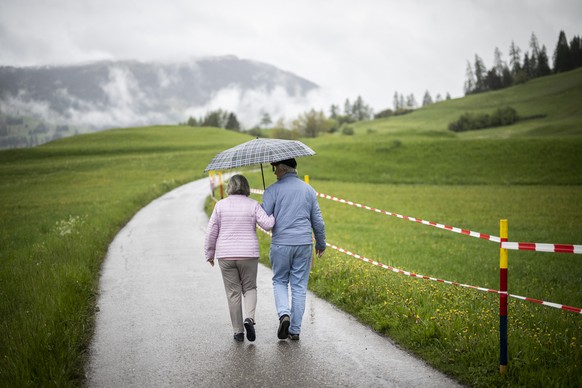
point(434, 319)
point(62, 203)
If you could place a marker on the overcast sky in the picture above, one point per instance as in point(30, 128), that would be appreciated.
point(370, 48)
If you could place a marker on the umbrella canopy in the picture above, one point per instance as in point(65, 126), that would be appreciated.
point(258, 151)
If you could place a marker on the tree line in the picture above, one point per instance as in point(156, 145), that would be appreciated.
point(314, 122)
point(307, 124)
point(217, 118)
point(534, 63)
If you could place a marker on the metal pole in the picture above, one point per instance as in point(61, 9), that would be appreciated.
point(503, 299)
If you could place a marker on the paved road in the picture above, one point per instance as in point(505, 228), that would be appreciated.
point(163, 320)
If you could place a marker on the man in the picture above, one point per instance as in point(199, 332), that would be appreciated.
point(297, 214)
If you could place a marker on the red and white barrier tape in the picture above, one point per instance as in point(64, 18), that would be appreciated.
point(407, 273)
point(549, 304)
point(555, 248)
point(412, 274)
point(540, 247)
point(429, 223)
point(440, 226)
point(522, 246)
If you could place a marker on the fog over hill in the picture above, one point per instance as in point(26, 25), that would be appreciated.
point(129, 93)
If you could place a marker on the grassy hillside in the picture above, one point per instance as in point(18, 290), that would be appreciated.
point(62, 203)
point(60, 207)
point(381, 158)
point(557, 96)
point(418, 148)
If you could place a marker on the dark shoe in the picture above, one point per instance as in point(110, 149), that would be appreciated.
point(240, 337)
point(283, 331)
point(249, 326)
point(294, 337)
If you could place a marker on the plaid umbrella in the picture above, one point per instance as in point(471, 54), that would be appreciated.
point(258, 151)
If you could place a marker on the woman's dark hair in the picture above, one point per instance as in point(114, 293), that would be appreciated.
point(238, 185)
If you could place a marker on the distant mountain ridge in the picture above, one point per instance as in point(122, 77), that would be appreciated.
point(124, 93)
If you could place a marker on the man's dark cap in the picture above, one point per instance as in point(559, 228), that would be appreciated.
point(288, 162)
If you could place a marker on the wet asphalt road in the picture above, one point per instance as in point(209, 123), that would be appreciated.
point(163, 320)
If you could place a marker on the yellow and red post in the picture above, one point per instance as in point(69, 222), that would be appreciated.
point(220, 183)
point(503, 296)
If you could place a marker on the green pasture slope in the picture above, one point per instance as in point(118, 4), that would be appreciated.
point(62, 203)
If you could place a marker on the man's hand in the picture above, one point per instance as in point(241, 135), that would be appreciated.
point(211, 262)
point(319, 252)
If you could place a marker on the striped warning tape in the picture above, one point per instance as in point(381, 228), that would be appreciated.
point(412, 274)
point(549, 304)
point(522, 246)
point(436, 225)
point(555, 248)
point(407, 273)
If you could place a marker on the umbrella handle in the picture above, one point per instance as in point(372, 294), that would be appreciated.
point(263, 175)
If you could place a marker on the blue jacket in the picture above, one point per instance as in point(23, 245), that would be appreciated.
point(297, 214)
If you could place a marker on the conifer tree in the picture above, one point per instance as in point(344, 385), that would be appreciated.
point(562, 55)
point(396, 102)
point(411, 101)
point(266, 120)
point(469, 79)
point(232, 123)
point(360, 110)
point(535, 53)
point(526, 67)
point(348, 108)
point(427, 99)
point(543, 63)
point(576, 51)
point(357, 109)
point(334, 111)
point(514, 58)
point(480, 74)
point(498, 62)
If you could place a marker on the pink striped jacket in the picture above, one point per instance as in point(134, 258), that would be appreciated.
point(231, 232)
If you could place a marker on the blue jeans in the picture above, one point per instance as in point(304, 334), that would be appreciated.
point(291, 265)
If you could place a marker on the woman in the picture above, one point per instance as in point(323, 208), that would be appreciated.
point(231, 238)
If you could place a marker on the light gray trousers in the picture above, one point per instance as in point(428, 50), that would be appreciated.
point(240, 280)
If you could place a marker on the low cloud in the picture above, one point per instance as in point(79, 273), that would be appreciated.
point(250, 105)
point(124, 104)
point(121, 101)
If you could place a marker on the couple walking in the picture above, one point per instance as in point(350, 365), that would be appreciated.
point(291, 210)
